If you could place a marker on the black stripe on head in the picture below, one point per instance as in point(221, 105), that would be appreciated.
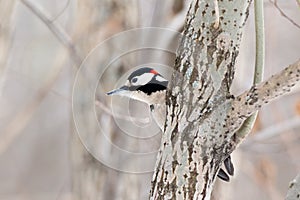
point(150, 87)
point(139, 72)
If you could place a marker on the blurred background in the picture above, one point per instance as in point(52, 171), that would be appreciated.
point(91, 146)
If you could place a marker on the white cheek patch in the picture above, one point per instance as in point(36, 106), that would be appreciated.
point(160, 79)
point(143, 79)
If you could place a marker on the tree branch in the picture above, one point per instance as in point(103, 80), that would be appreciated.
point(13, 129)
point(274, 130)
point(192, 147)
point(283, 13)
point(252, 100)
point(6, 14)
point(259, 61)
point(56, 29)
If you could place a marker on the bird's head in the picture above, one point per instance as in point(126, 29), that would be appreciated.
point(142, 84)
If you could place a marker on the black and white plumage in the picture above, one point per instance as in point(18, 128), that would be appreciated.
point(147, 85)
point(145, 80)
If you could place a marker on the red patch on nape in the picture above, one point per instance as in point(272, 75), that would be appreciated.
point(153, 71)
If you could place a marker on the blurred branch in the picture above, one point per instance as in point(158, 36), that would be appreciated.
point(294, 188)
point(56, 29)
point(19, 122)
point(100, 105)
point(283, 13)
point(22, 118)
point(6, 12)
point(275, 130)
point(177, 21)
point(259, 60)
point(62, 11)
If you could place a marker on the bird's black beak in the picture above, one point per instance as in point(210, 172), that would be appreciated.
point(118, 91)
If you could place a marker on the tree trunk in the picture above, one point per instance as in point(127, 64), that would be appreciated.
point(196, 139)
point(204, 121)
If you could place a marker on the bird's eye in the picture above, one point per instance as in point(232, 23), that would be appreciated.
point(134, 80)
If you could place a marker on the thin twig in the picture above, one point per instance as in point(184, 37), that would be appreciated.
point(21, 119)
point(56, 29)
point(62, 11)
point(259, 61)
point(275, 130)
point(283, 13)
point(6, 15)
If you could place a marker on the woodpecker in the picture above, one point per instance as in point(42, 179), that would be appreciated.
point(147, 85)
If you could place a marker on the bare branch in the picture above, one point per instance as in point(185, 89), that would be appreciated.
point(14, 127)
point(259, 42)
point(259, 61)
point(251, 101)
point(283, 13)
point(62, 11)
point(21, 119)
point(56, 29)
point(274, 130)
point(6, 13)
point(193, 142)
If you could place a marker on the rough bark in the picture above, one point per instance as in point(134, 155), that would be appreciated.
point(202, 115)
